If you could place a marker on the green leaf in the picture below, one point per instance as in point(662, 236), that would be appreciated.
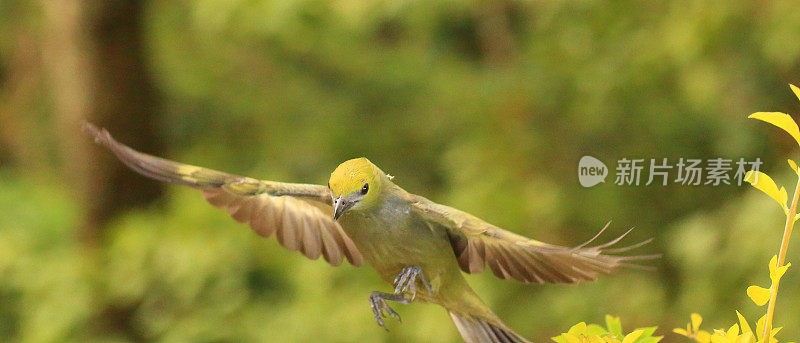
point(781, 120)
point(759, 295)
point(765, 184)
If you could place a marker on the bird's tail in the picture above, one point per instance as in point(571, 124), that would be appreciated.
point(475, 329)
point(474, 320)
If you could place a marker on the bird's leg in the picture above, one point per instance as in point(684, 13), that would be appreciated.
point(406, 281)
point(378, 303)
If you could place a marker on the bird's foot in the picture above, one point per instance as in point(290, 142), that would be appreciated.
point(377, 301)
point(406, 281)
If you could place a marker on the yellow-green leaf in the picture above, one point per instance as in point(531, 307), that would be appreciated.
point(743, 323)
point(614, 325)
point(595, 339)
point(633, 336)
point(567, 338)
point(775, 272)
point(697, 319)
point(795, 90)
point(702, 336)
point(578, 329)
point(776, 330)
point(595, 330)
point(781, 120)
point(760, 327)
point(765, 184)
point(718, 338)
point(746, 337)
point(783, 199)
point(793, 165)
point(733, 332)
point(759, 295)
point(681, 332)
point(780, 271)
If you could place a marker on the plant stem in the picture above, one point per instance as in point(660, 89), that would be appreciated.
point(787, 232)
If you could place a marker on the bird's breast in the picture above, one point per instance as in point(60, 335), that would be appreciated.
point(392, 240)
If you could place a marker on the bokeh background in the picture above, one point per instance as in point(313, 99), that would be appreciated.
point(483, 105)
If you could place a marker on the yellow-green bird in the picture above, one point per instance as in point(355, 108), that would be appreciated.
point(418, 246)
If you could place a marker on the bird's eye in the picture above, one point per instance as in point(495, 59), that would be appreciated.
point(365, 189)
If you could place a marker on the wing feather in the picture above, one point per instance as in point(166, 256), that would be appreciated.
point(477, 244)
point(298, 214)
point(311, 240)
point(330, 249)
point(287, 238)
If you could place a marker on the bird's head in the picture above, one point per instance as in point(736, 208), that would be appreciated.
point(356, 185)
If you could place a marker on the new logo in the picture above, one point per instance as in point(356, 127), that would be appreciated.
point(591, 171)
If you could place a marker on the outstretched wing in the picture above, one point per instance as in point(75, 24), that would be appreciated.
point(300, 215)
point(477, 243)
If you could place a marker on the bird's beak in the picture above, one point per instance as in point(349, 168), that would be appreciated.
point(340, 206)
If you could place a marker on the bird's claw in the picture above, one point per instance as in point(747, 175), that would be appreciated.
point(377, 301)
point(406, 281)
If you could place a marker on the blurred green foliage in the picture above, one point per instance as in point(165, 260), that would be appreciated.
point(490, 118)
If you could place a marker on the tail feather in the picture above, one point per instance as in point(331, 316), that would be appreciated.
point(477, 330)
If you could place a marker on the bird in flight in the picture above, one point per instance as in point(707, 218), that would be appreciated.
point(418, 246)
